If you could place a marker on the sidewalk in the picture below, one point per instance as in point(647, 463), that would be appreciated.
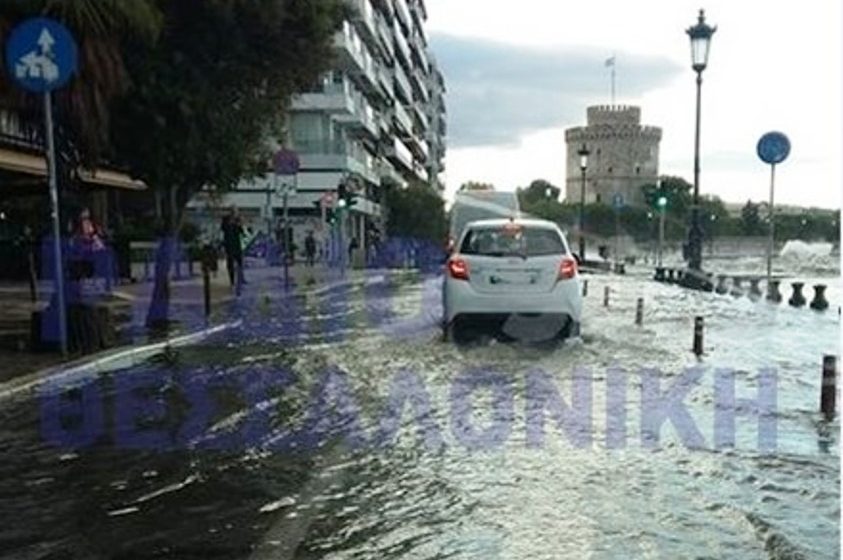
point(130, 302)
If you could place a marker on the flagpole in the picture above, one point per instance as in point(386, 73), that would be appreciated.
point(613, 80)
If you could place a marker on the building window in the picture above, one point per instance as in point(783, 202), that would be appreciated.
point(638, 170)
point(598, 197)
point(609, 170)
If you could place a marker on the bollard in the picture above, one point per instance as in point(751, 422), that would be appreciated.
point(680, 275)
point(639, 312)
point(206, 286)
point(737, 286)
point(828, 395)
point(660, 274)
point(698, 336)
point(671, 278)
point(606, 296)
point(797, 299)
point(819, 303)
point(584, 288)
point(773, 293)
point(722, 288)
point(754, 289)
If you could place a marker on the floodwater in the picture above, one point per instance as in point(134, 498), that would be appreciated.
point(433, 491)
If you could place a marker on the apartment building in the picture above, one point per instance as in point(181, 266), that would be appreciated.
point(377, 118)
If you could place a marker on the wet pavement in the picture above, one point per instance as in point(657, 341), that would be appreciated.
point(416, 448)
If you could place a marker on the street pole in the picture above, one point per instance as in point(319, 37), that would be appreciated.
point(695, 235)
point(54, 204)
point(661, 235)
point(617, 233)
point(772, 229)
point(286, 243)
point(582, 216)
point(341, 243)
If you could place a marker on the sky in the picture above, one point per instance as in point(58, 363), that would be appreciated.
point(519, 73)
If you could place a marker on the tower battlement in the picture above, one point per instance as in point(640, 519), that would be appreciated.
point(613, 115)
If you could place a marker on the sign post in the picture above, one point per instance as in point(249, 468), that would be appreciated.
point(286, 163)
point(773, 148)
point(41, 56)
point(617, 204)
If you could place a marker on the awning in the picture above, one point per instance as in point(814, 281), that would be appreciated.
point(23, 162)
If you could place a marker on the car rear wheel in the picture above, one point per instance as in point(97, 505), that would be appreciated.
point(570, 330)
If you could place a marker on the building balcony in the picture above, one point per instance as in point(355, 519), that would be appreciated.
point(354, 58)
point(403, 89)
point(421, 119)
point(385, 81)
point(385, 35)
point(403, 119)
point(419, 86)
point(402, 13)
point(365, 20)
point(402, 48)
point(400, 154)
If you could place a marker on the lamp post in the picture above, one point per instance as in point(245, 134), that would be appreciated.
point(700, 35)
point(583, 153)
point(662, 203)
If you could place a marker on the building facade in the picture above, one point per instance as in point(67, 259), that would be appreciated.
point(624, 155)
point(378, 118)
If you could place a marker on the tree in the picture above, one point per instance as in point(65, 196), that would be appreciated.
point(83, 108)
point(416, 212)
point(677, 191)
point(751, 219)
point(208, 98)
point(538, 191)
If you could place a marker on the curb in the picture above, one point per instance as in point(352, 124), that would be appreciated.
point(104, 362)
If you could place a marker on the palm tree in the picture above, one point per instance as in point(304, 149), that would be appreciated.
point(82, 108)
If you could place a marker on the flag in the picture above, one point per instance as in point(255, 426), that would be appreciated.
point(610, 61)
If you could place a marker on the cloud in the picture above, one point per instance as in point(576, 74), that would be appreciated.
point(498, 92)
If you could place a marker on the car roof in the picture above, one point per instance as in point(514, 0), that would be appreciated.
point(499, 222)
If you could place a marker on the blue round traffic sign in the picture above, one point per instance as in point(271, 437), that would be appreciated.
point(773, 147)
point(41, 55)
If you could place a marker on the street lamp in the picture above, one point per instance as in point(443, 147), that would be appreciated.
point(700, 35)
point(662, 204)
point(583, 153)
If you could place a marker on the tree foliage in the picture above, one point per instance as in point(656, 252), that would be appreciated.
point(417, 212)
point(209, 98)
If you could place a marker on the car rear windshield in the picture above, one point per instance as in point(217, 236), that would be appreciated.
point(512, 240)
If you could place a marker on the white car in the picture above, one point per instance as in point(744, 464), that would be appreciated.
point(518, 272)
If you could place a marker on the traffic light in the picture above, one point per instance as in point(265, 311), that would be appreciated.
point(662, 202)
point(330, 216)
point(346, 197)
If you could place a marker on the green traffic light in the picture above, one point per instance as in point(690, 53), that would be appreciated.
point(662, 202)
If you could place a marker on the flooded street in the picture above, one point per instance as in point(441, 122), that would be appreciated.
point(416, 448)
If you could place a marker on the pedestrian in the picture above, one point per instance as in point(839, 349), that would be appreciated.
point(232, 235)
point(310, 248)
point(353, 245)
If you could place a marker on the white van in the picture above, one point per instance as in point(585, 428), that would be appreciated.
point(470, 206)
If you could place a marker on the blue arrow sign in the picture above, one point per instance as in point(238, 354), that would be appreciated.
point(41, 55)
point(773, 147)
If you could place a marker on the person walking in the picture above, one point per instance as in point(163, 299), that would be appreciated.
point(310, 248)
point(232, 238)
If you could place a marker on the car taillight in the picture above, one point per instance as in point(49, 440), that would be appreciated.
point(568, 268)
point(458, 269)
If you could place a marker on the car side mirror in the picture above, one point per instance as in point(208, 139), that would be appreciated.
point(577, 258)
